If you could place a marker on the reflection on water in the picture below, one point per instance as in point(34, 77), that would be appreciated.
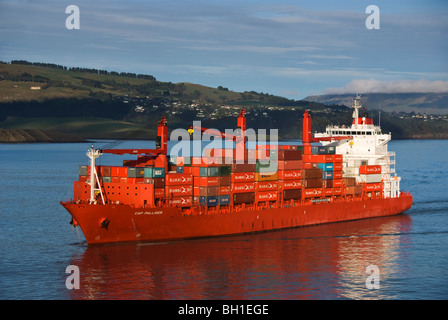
point(319, 262)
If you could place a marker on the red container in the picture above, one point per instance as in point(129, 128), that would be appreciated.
point(319, 158)
point(289, 174)
point(266, 185)
point(337, 183)
point(118, 171)
point(266, 196)
point(243, 187)
point(185, 201)
point(172, 179)
point(206, 191)
point(310, 165)
point(337, 175)
point(243, 167)
point(105, 171)
point(312, 183)
point(337, 166)
point(312, 193)
point(247, 197)
point(206, 181)
point(223, 190)
point(242, 177)
point(159, 182)
point(329, 192)
point(311, 173)
point(368, 187)
point(328, 183)
point(292, 194)
point(337, 191)
point(176, 191)
point(159, 192)
point(290, 184)
point(289, 164)
point(224, 181)
point(374, 169)
point(289, 155)
point(349, 182)
point(337, 158)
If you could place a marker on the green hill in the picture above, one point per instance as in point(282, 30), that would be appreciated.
point(83, 103)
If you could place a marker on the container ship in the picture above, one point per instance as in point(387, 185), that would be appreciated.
point(346, 173)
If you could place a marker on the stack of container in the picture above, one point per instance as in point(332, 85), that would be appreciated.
point(370, 175)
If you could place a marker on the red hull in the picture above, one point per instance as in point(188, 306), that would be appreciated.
point(123, 223)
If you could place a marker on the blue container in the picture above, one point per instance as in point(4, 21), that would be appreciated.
point(149, 171)
point(179, 169)
point(326, 166)
point(209, 201)
point(224, 200)
point(159, 173)
point(327, 175)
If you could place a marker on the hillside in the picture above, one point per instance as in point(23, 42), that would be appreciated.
point(429, 103)
point(98, 104)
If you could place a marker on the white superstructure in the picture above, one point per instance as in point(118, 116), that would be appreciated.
point(368, 146)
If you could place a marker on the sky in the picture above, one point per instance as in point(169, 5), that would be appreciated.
point(289, 48)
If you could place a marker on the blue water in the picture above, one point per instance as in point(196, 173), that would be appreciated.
point(37, 243)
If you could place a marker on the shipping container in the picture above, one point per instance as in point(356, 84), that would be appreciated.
point(372, 169)
point(337, 158)
point(243, 187)
point(243, 167)
point(290, 184)
point(135, 172)
point(242, 176)
point(266, 176)
point(224, 171)
point(292, 194)
point(266, 166)
point(326, 149)
point(82, 171)
point(159, 182)
point(328, 192)
point(368, 187)
point(327, 175)
point(148, 172)
point(176, 191)
point(311, 173)
point(159, 192)
point(326, 166)
point(337, 183)
point(180, 169)
point(178, 179)
point(208, 201)
point(289, 174)
point(312, 183)
point(349, 181)
point(354, 190)
point(310, 165)
point(105, 171)
point(184, 201)
point(224, 200)
point(106, 179)
point(119, 171)
point(328, 183)
point(209, 171)
point(312, 193)
point(337, 166)
point(337, 175)
point(206, 181)
point(289, 164)
point(206, 191)
point(266, 196)
point(266, 185)
point(337, 191)
point(370, 178)
point(224, 190)
point(248, 197)
point(224, 181)
point(319, 158)
point(159, 172)
point(289, 155)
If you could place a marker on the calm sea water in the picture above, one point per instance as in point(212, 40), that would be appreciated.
point(37, 243)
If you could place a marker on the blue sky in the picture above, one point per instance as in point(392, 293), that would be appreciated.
point(284, 47)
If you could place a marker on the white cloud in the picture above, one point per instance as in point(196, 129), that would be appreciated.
point(399, 86)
